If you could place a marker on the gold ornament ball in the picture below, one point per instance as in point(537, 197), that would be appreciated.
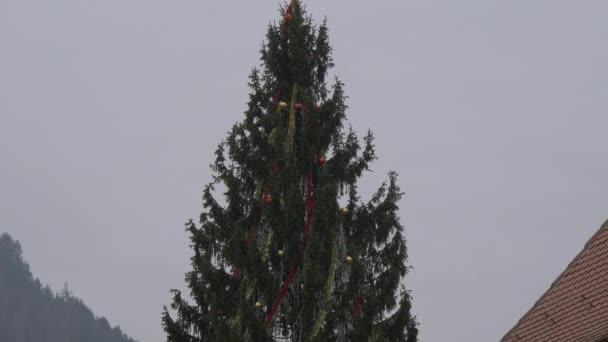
point(282, 105)
point(348, 260)
point(258, 305)
point(344, 211)
point(281, 253)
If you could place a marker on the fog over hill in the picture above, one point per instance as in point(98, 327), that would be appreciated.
point(31, 312)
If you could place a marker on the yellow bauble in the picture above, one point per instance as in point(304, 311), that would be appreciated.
point(282, 105)
point(344, 211)
point(348, 260)
point(258, 305)
point(281, 253)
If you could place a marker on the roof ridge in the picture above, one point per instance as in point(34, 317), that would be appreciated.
point(603, 227)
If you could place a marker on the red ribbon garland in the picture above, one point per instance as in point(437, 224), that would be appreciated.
point(306, 116)
point(277, 94)
point(252, 234)
point(358, 302)
point(236, 273)
point(289, 14)
point(310, 205)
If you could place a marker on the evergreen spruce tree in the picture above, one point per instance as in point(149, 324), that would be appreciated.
point(278, 259)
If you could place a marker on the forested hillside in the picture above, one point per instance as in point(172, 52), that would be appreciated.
point(31, 312)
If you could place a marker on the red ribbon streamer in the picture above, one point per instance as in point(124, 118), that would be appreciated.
point(310, 205)
point(277, 94)
point(275, 168)
point(289, 14)
point(358, 302)
point(252, 234)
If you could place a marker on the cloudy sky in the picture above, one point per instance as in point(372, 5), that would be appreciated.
point(493, 112)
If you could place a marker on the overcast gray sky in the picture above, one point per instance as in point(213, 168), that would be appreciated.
point(493, 112)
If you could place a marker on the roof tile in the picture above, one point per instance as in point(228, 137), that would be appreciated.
point(575, 307)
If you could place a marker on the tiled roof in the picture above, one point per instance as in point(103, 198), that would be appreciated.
point(575, 308)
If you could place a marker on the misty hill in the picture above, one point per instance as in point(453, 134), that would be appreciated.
point(30, 312)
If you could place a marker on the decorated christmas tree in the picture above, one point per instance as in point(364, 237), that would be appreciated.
point(291, 253)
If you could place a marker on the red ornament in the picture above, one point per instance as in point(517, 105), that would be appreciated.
point(267, 197)
point(299, 106)
point(317, 107)
point(322, 161)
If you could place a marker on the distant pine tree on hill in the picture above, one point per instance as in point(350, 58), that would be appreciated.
point(30, 312)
